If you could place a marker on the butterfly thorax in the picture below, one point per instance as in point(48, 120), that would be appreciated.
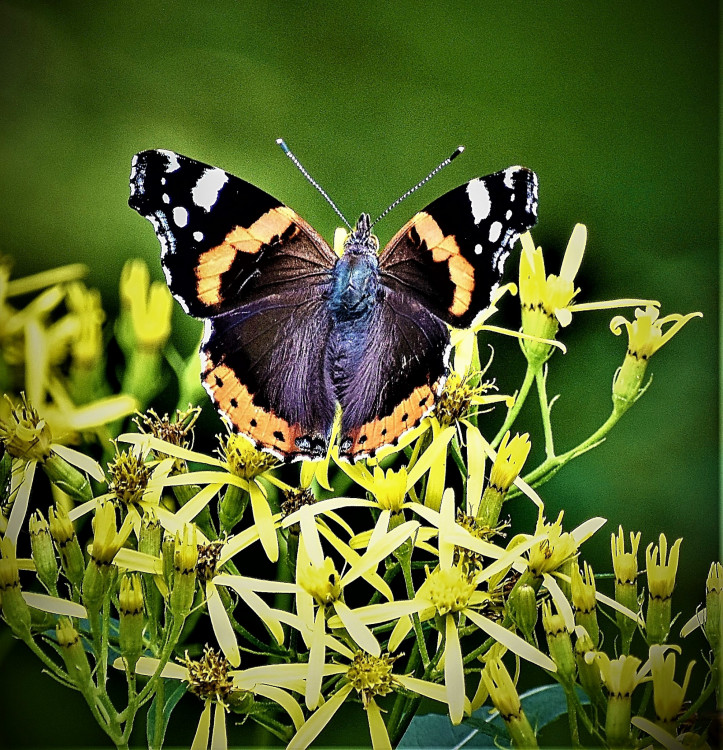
point(356, 275)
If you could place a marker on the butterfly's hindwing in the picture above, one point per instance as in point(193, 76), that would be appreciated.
point(394, 380)
point(451, 255)
point(263, 365)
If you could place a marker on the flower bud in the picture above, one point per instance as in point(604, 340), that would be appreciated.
point(507, 466)
point(71, 649)
point(168, 549)
point(714, 606)
point(232, 507)
point(584, 602)
point(66, 542)
point(130, 609)
point(24, 434)
point(14, 608)
point(506, 700)
point(587, 669)
point(522, 603)
point(185, 557)
point(41, 543)
point(67, 478)
point(661, 582)
point(625, 565)
point(559, 643)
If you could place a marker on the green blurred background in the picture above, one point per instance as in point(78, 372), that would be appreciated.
point(614, 104)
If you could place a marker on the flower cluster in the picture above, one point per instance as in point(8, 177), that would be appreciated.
point(380, 583)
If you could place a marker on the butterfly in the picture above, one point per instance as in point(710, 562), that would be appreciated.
point(292, 330)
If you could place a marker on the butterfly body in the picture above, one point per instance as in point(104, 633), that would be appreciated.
point(292, 331)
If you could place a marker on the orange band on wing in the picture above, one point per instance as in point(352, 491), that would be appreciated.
point(214, 263)
point(234, 399)
point(368, 438)
point(445, 248)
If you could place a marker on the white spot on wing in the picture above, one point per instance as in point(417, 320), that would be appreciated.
point(479, 199)
point(495, 231)
point(198, 236)
point(166, 198)
point(180, 216)
point(173, 163)
point(508, 215)
point(510, 174)
point(205, 192)
point(163, 180)
point(478, 249)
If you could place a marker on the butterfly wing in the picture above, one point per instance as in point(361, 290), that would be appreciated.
point(393, 376)
point(450, 256)
point(224, 241)
point(258, 274)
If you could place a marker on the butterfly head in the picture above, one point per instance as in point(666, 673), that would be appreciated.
point(361, 240)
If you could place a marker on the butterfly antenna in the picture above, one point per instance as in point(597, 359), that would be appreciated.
point(438, 168)
point(301, 169)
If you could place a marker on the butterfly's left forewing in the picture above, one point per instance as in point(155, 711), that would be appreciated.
point(450, 256)
point(258, 274)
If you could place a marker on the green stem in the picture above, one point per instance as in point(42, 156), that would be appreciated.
point(400, 711)
point(176, 628)
point(157, 742)
point(515, 410)
point(541, 381)
point(551, 465)
point(416, 622)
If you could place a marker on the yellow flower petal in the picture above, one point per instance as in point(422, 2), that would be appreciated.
point(284, 700)
point(453, 671)
point(264, 520)
point(200, 739)
point(218, 738)
point(513, 642)
point(359, 632)
point(83, 462)
point(377, 728)
point(664, 738)
point(563, 605)
point(140, 561)
point(318, 720)
point(315, 672)
point(197, 503)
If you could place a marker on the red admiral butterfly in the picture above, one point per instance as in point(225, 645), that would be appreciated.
point(292, 330)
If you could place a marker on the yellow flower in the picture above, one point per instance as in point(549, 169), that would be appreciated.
point(146, 306)
point(86, 310)
point(645, 337)
point(547, 301)
point(668, 696)
point(244, 468)
point(504, 695)
point(661, 582)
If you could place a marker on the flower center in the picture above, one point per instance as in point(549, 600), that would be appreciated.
point(371, 675)
point(23, 433)
point(129, 477)
point(243, 459)
point(455, 401)
point(208, 677)
point(208, 555)
point(450, 589)
point(178, 432)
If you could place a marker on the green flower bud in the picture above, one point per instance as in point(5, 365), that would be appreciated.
point(71, 649)
point(67, 478)
point(587, 669)
point(15, 611)
point(507, 466)
point(185, 557)
point(130, 608)
point(66, 542)
point(522, 604)
point(559, 643)
point(150, 543)
point(625, 565)
point(506, 700)
point(584, 602)
point(661, 582)
point(41, 543)
point(232, 507)
point(714, 606)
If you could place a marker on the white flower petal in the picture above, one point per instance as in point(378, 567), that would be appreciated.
point(139, 561)
point(359, 632)
point(319, 719)
point(587, 529)
point(284, 700)
point(664, 738)
point(55, 605)
point(83, 462)
point(561, 601)
point(20, 506)
point(512, 641)
point(377, 728)
point(218, 738)
point(222, 625)
point(698, 620)
point(197, 503)
point(315, 672)
point(200, 739)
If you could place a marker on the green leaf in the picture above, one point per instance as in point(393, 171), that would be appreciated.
point(174, 690)
point(483, 729)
